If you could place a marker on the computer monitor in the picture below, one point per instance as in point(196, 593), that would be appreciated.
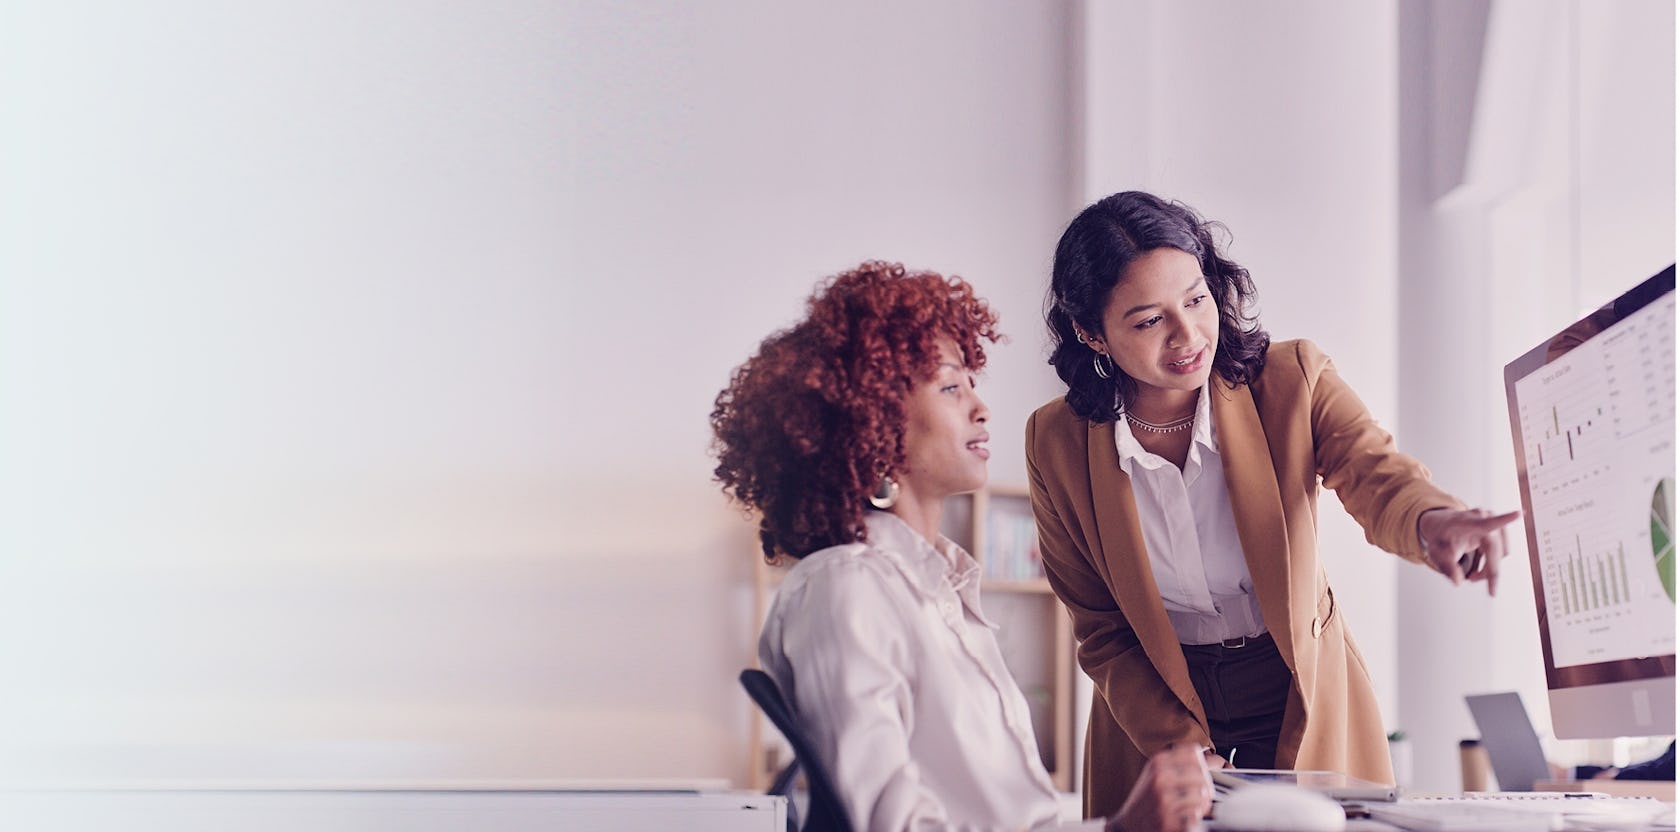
point(1592, 419)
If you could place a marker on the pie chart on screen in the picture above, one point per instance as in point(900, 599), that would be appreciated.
point(1662, 533)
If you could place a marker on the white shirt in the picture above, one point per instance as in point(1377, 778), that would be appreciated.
point(1191, 535)
point(882, 650)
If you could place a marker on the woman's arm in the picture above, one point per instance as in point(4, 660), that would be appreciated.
point(1389, 493)
point(1385, 490)
point(848, 648)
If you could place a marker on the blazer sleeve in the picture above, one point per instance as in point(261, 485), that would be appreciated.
point(1109, 650)
point(1383, 489)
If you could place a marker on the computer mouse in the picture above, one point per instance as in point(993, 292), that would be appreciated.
point(1274, 807)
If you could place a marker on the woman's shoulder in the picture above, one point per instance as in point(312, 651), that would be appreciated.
point(1297, 359)
point(841, 571)
point(1294, 351)
point(1054, 423)
point(832, 604)
point(1056, 409)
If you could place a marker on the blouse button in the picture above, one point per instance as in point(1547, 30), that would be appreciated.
point(1317, 626)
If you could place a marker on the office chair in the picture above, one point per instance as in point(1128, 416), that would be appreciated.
point(825, 813)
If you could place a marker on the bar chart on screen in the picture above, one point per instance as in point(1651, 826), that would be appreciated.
point(1606, 549)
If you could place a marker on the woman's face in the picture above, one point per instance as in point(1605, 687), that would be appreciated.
point(945, 436)
point(1161, 324)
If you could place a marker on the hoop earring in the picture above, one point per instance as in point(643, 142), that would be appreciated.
point(886, 494)
point(1097, 361)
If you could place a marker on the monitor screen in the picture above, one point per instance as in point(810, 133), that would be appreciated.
point(1592, 419)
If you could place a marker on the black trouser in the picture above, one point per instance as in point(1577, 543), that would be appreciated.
point(1243, 691)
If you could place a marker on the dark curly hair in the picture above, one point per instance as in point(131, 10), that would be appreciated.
point(808, 425)
point(1094, 252)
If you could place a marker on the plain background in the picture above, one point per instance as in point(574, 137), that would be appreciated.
point(355, 359)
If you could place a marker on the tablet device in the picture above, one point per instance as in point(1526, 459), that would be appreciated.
point(1332, 783)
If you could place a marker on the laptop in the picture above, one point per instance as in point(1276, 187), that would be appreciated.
point(1508, 736)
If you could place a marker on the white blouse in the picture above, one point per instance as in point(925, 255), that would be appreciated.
point(882, 650)
point(1191, 535)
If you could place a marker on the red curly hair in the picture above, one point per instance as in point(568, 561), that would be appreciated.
point(808, 425)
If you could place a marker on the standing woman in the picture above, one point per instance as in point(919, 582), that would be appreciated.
point(1175, 488)
point(845, 434)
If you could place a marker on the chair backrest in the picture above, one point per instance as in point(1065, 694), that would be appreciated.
point(825, 813)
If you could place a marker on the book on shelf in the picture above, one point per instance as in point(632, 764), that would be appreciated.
point(1011, 548)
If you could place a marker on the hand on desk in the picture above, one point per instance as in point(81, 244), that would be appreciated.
point(1172, 795)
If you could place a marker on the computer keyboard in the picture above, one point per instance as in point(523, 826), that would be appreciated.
point(1524, 812)
point(1438, 816)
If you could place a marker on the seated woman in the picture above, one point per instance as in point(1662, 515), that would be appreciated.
point(845, 434)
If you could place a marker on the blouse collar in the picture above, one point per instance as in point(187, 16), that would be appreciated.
point(932, 568)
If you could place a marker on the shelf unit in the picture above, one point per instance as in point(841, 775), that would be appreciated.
point(996, 525)
point(1036, 636)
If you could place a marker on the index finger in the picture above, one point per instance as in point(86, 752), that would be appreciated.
point(1496, 521)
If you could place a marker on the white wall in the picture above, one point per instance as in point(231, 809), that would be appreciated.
point(357, 358)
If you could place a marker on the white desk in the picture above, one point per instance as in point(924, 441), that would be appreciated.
point(383, 807)
point(1532, 811)
point(1535, 811)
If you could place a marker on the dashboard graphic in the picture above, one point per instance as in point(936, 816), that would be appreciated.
point(1597, 431)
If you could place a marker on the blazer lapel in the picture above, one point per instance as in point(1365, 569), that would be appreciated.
point(1121, 544)
point(1256, 504)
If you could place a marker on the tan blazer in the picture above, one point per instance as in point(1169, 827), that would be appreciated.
point(1278, 437)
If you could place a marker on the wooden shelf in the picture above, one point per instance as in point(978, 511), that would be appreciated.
point(996, 525)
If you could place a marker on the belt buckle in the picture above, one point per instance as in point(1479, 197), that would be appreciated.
point(1234, 643)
